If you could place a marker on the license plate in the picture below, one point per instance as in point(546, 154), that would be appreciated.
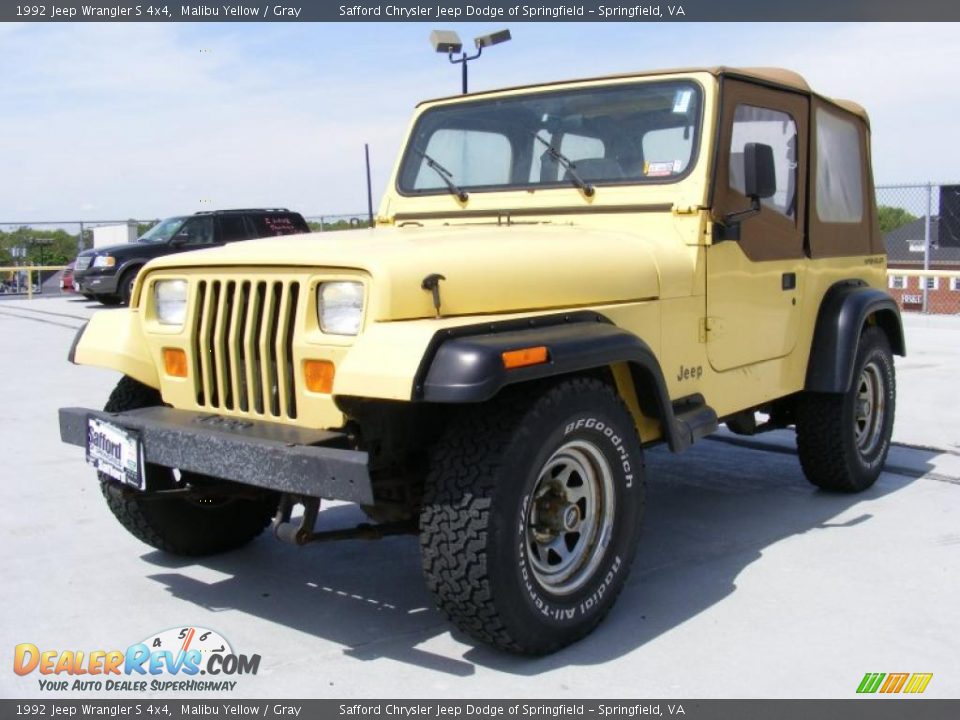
point(115, 451)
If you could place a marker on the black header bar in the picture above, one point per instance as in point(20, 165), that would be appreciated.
point(505, 11)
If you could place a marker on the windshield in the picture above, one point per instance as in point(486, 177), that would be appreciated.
point(637, 133)
point(162, 231)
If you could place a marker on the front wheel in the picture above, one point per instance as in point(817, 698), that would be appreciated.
point(532, 513)
point(843, 440)
point(125, 285)
point(193, 526)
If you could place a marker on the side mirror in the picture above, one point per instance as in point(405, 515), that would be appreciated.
point(181, 238)
point(759, 181)
point(759, 171)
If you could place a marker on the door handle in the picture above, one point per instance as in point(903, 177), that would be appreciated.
point(788, 281)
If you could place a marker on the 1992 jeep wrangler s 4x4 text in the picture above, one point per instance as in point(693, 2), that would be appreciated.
point(560, 276)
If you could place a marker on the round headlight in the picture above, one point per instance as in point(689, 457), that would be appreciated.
point(170, 300)
point(340, 307)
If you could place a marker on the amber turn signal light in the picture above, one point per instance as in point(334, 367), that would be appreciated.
point(175, 362)
point(526, 356)
point(318, 375)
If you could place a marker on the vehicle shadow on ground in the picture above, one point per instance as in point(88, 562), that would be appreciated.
point(711, 512)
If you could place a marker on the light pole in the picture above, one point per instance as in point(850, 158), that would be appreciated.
point(448, 42)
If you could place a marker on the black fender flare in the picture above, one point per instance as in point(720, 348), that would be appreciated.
point(465, 365)
point(131, 263)
point(836, 337)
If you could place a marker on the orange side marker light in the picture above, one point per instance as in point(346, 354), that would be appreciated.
point(526, 356)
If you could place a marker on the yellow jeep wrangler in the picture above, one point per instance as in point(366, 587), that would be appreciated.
point(560, 276)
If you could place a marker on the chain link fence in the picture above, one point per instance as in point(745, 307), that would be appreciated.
point(920, 224)
point(921, 229)
point(47, 244)
point(55, 243)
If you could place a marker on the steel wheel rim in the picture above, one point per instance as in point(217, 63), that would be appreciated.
point(570, 518)
point(869, 408)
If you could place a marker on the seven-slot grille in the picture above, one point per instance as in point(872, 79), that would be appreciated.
point(243, 345)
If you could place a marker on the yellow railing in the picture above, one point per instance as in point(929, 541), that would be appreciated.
point(29, 270)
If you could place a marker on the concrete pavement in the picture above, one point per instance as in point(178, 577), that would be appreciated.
point(748, 583)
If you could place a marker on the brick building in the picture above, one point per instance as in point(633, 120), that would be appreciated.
point(905, 251)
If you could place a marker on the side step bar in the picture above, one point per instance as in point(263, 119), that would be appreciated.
point(694, 419)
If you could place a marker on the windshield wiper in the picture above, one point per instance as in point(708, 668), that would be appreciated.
point(444, 174)
point(569, 166)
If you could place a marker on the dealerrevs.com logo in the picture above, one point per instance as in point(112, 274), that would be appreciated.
point(178, 659)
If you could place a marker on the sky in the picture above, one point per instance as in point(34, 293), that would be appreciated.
point(120, 120)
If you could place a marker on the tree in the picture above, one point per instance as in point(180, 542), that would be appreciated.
point(49, 247)
point(892, 218)
point(328, 226)
point(142, 227)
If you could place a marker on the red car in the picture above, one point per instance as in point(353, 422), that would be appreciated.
point(66, 279)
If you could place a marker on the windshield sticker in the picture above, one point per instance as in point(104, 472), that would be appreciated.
point(681, 101)
point(661, 169)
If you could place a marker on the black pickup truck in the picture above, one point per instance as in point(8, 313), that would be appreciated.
point(107, 273)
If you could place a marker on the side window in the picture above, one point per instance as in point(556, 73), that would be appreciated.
point(898, 282)
point(839, 176)
point(197, 231)
point(472, 157)
point(273, 225)
point(778, 130)
point(233, 228)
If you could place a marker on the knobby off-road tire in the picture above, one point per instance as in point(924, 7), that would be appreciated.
point(531, 514)
point(843, 440)
point(180, 526)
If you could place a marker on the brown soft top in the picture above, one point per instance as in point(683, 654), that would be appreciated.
point(778, 77)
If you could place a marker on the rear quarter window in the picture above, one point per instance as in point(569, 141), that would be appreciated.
point(839, 170)
point(279, 224)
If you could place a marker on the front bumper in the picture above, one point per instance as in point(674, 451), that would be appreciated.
point(99, 284)
point(269, 455)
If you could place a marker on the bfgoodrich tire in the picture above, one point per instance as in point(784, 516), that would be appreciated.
point(843, 440)
point(531, 515)
point(180, 525)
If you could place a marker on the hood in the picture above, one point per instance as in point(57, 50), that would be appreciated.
point(487, 269)
point(120, 248)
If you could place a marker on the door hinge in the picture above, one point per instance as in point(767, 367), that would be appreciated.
point(685, 209)
point(706, 325)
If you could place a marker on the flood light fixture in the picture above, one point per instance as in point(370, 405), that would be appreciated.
point(447, 41)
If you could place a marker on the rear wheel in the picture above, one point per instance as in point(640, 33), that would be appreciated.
point(531, 515)
point(203, 525)
point(843, 440)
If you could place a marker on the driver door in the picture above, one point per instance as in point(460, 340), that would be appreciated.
point(195, 233)
point(755, 268)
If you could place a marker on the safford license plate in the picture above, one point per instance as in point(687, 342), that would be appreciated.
point(116, 452)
